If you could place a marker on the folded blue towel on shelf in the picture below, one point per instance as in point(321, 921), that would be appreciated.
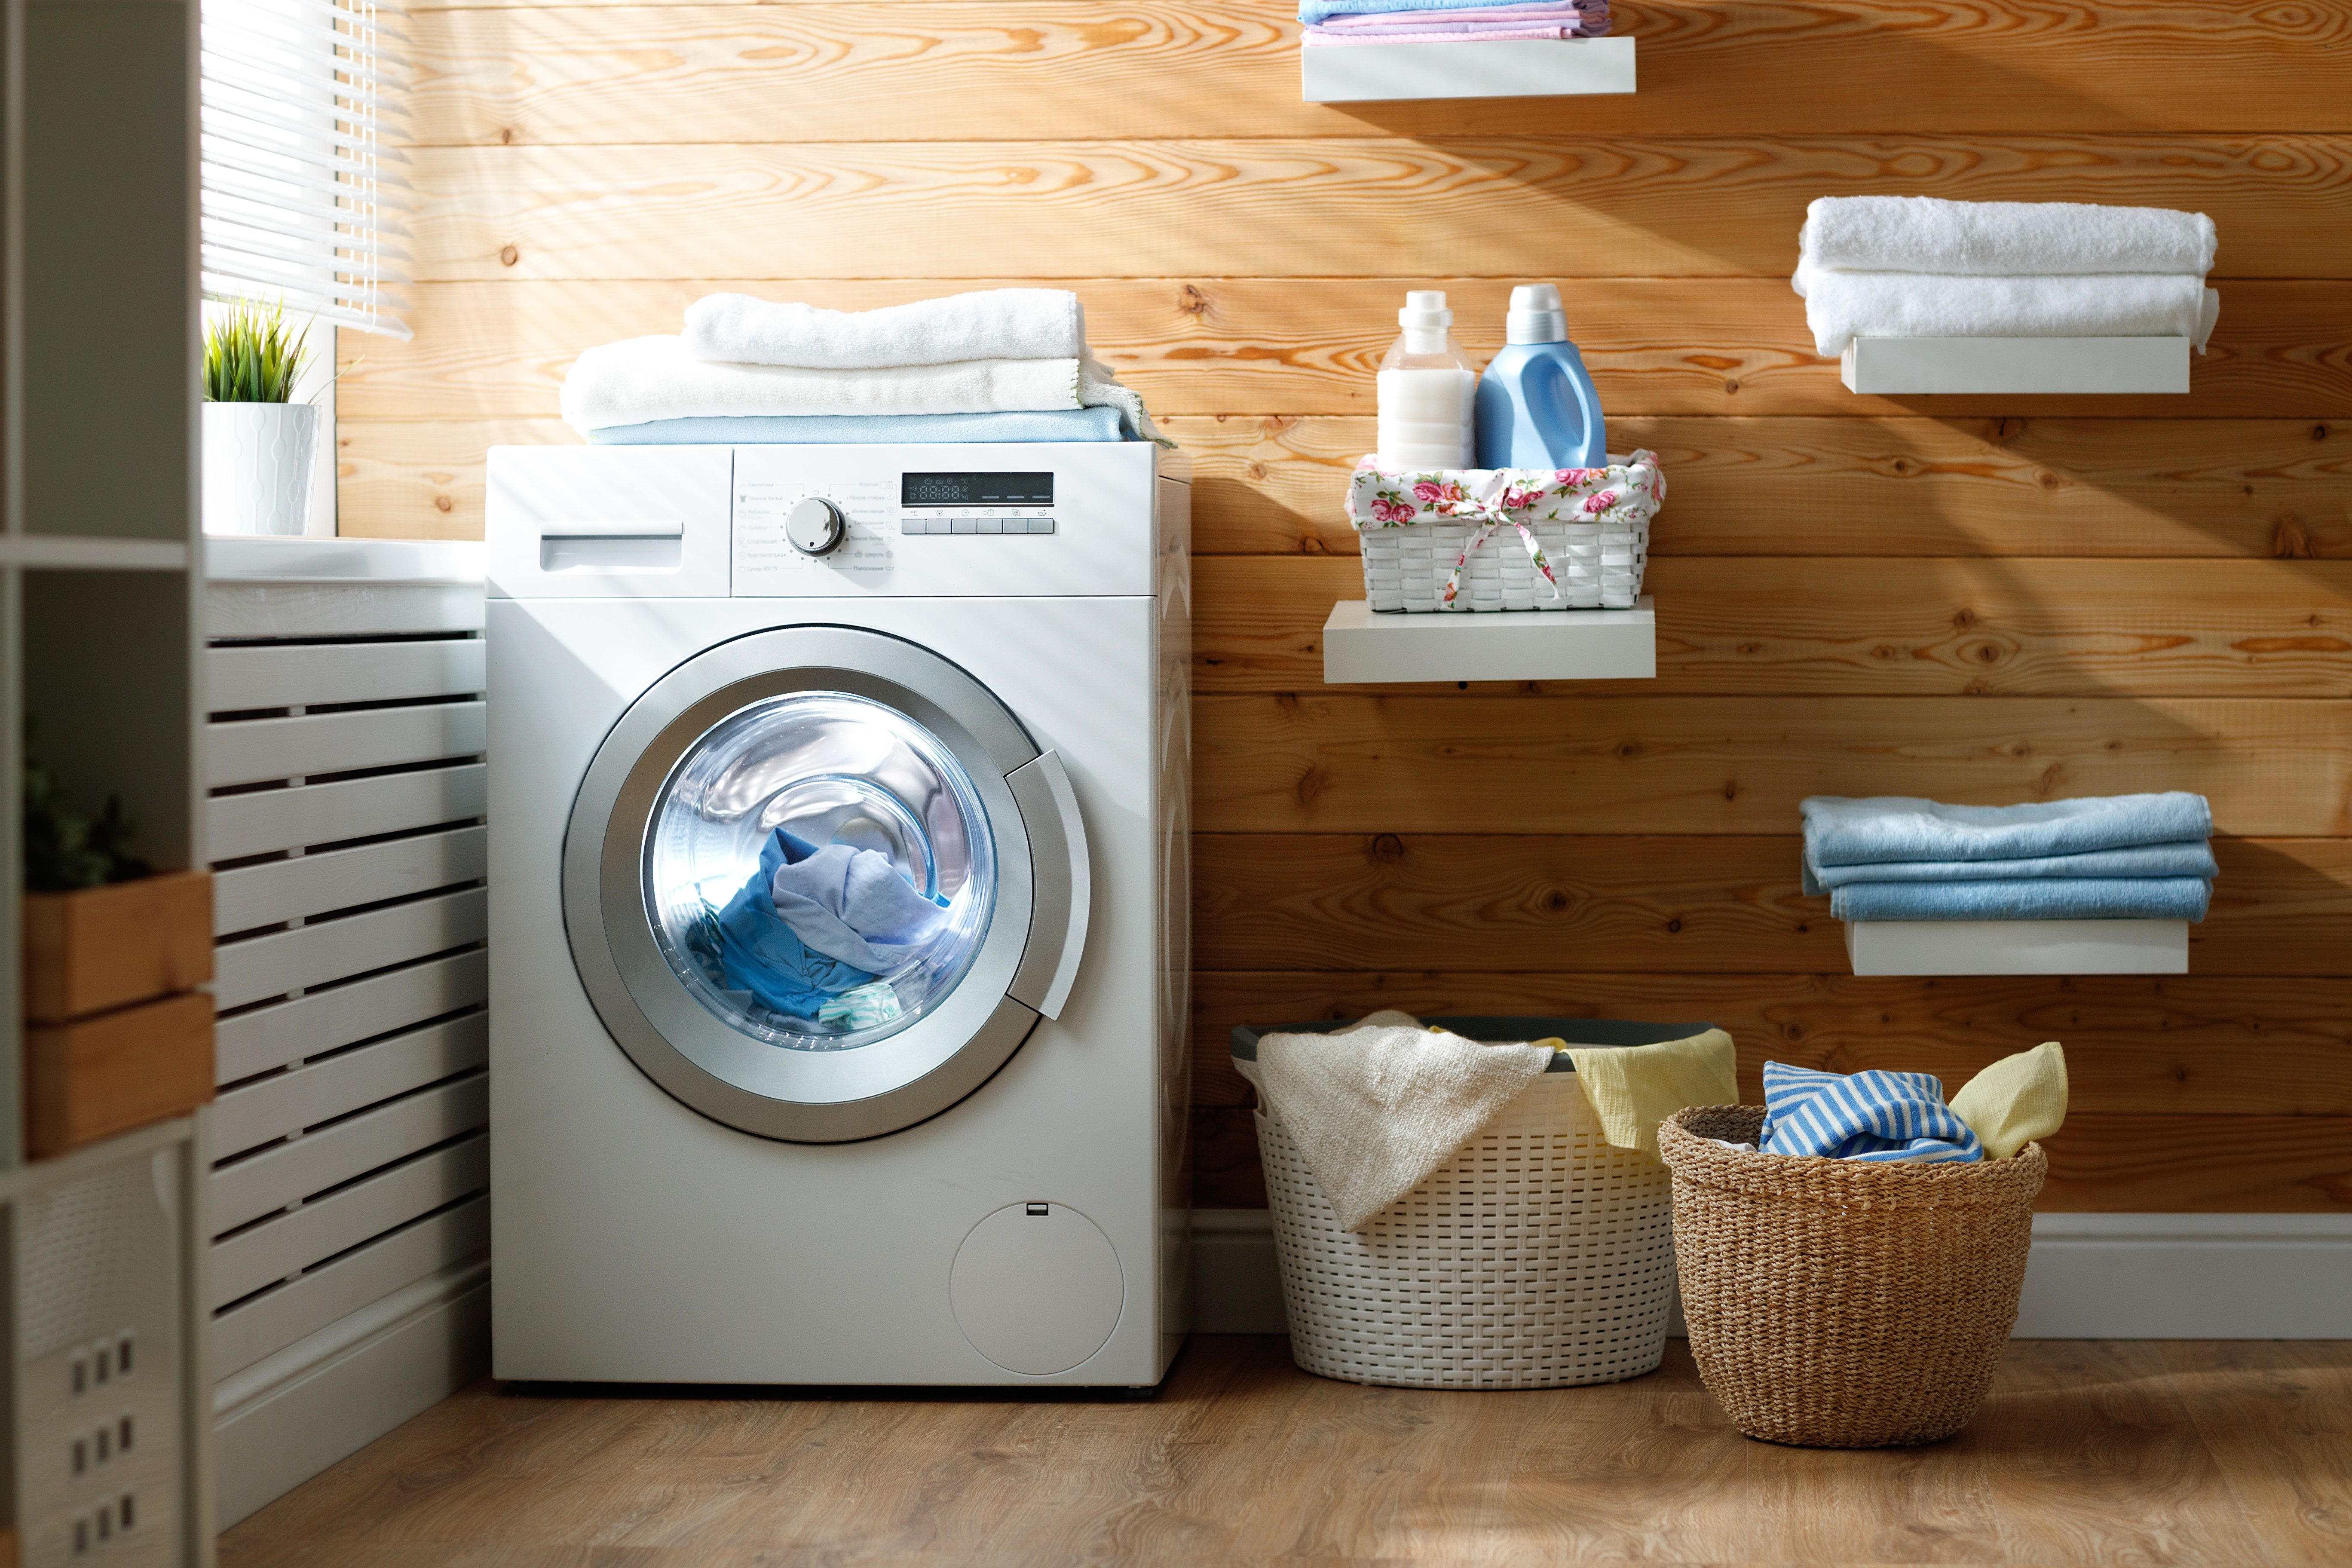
point(2053, 899)
point(1877, 1116)
point(1099, 424)
point(1844, 832)
point(2191, 857)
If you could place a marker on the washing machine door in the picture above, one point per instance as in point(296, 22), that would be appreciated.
point(820, 884)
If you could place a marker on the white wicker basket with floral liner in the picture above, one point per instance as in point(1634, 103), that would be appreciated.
point(1506, 539)
point(1539, 1256)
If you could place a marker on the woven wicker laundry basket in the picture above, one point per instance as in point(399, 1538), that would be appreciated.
point(1536, 1257)
point(1504, 539)
point(1840, 1303)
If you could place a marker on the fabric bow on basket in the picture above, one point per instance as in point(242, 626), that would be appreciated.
point(1491, 506)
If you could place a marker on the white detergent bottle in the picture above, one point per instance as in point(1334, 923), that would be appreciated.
point(1428, 388)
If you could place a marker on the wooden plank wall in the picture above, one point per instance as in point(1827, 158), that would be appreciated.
point(1982, 599)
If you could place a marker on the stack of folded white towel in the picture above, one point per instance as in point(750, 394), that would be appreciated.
point(1915, 267)
point(1000, 364)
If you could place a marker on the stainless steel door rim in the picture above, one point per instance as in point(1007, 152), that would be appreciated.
point(1024, 965)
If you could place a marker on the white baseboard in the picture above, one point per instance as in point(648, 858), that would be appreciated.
point(2093, 1276)
point(289, 1417)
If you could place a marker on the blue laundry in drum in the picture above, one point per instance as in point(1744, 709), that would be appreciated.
point(758, 951)
point(853, 904)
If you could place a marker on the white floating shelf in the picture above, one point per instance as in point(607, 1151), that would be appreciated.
point(1491, 68)
point(1897, 365)
point(2018, 947)
point(1359, 646)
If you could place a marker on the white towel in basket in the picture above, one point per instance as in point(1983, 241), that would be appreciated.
point(1375, 1110)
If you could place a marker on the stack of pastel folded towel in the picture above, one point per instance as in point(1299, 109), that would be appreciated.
point(1361, 22)
point(1916, 267)
point(2126, 856)
point(999, 364)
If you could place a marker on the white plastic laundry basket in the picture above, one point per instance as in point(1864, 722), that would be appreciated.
point(1537, 1257)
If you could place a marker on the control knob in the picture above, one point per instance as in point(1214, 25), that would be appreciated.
point(815, 526)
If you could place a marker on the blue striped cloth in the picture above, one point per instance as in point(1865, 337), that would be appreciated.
point(1871, 1115)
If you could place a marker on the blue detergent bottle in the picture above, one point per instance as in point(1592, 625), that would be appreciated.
point(1536, 408)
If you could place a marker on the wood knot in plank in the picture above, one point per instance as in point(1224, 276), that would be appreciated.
point(1385, 850)
point(509, 256)
point(1311, 784)
point(1192, 302)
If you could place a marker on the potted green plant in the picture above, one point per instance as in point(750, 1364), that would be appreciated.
point(259, 444)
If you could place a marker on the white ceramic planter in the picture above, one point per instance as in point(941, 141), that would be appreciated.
point(257, 460)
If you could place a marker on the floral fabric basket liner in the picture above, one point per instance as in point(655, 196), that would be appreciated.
point(1619, 500)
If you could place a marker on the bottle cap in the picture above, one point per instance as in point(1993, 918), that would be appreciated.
point(1424, 310)
point(1536, 316)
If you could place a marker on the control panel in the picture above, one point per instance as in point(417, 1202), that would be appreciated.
point(944, 519)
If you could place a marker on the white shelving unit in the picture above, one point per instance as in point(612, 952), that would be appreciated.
point(2018, 947)
point(1895, 366)
point(1537, 67)
point(102, 1248)
point(1360, 646)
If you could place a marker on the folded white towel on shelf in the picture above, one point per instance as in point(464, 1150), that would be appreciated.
point(985, 325)
point(1843, 306)
point(644, 379)
point(1376, 1108)
point(1926, 234)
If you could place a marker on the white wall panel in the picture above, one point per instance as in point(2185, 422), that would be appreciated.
point(275, 1318)
point(263, 821)
point(256, 751)
point(279, 891)
point(269, 1037)
point(289, 1173)
point(276, 1249)
point(285, 962)
point(294, 675)
point(282, 1104)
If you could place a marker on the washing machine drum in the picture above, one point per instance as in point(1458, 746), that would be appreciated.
point(820, 884)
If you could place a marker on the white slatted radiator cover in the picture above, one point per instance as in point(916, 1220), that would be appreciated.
point(350, 1185)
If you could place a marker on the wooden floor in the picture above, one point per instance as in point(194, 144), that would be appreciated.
point(2087, 1452)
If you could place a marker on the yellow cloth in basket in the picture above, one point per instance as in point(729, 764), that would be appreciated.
point(1632, 1088)
point(2014, 1102)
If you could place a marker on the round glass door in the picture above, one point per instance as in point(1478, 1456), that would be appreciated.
point(815, 883)
point(820, 871)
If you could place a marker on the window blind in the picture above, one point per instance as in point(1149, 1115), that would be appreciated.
point(303, 202)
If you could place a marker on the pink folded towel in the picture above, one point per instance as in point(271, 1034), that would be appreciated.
point(1315, 39)
point(1590, 18)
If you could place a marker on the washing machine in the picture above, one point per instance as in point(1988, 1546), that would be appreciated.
point(838, 913)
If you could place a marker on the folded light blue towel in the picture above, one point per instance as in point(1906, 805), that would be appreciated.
point(860, 429)
point(2191, 857)
point(1846, 832)
point(2050, 899)
point(1877, 1116)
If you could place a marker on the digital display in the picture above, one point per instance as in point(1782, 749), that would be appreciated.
point(975, 489)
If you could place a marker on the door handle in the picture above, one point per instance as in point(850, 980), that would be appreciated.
point(1061, 876)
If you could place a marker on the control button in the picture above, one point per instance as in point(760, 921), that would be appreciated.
point(1041, 525)
point(815, 526)
point(965, 524)
point(992, 525)
point(913, 525)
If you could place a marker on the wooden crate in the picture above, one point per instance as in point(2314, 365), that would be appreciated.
point(97, 949)
point(96, 1077)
